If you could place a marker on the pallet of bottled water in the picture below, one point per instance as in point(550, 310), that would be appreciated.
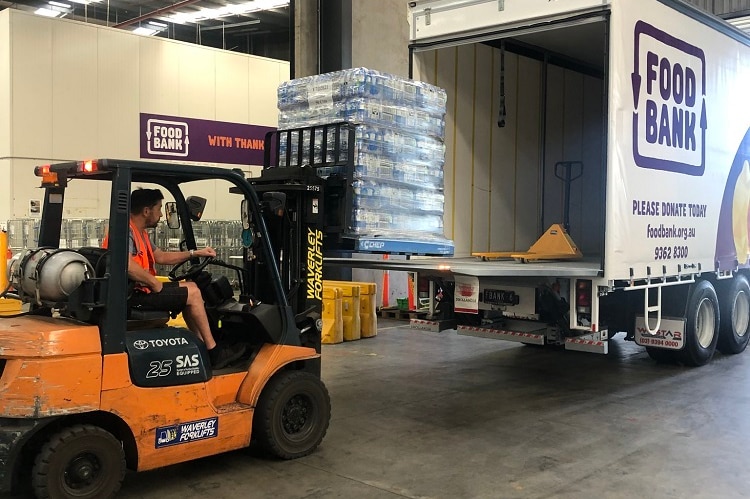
point(398, 151)
point(359, 83)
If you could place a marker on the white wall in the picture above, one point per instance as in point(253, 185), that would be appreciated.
point(75, 91)
point(5, 171)
point(492, 175)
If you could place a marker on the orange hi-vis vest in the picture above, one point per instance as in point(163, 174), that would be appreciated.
point(144, 252)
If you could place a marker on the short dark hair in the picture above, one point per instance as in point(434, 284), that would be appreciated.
point(144, 198)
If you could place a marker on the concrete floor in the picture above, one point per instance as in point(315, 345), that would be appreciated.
point(437, 415)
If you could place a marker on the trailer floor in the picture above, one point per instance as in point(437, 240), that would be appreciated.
point(437, 415)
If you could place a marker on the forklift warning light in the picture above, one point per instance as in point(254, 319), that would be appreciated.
point(48, 177)
point(87, 166)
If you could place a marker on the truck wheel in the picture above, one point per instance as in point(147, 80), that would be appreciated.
point(662, 355)
point(82, 461)
point(735, 316)
point(292, 415)
point(702, 327)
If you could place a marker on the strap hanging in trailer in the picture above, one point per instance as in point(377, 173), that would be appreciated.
point(502, 111)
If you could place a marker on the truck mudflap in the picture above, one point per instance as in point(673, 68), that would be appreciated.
point(14, 433)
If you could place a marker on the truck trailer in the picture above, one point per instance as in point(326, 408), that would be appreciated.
point(617, 131)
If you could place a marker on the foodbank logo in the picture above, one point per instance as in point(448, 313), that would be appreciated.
point(669, 102)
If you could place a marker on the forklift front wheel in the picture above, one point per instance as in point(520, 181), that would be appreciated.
point(82, 461)
point(292, 415)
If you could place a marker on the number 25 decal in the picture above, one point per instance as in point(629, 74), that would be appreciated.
point(159, 368)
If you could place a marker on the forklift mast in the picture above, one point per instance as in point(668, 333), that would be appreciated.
point(310, 167)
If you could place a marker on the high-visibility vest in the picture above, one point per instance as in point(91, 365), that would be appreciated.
point(144, 252)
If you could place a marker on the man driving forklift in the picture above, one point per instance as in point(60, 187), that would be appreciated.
point(151, 293)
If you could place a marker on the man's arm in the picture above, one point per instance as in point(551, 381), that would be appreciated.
point(139, 274)
point(175, 257)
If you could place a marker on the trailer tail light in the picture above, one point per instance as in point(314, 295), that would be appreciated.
point(48, 177)
point(583, 296)
point(88, 166)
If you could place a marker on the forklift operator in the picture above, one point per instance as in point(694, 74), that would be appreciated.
point(153, 294)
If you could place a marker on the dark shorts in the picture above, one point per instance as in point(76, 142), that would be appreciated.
point(171, 298)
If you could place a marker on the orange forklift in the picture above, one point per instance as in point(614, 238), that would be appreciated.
point(90, 387)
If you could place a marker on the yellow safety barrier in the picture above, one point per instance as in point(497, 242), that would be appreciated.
point(368, 314)
point(333, 324)
point(349, 309)
point(7, 306)
point(3, 260)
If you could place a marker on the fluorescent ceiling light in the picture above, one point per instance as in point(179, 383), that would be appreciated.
point(42, 11)
point(227, 10)
point(142, 30)
point(54, 9)
point(85, 2)
point(742, 23)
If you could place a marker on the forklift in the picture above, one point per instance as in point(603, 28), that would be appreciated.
point(90, 387)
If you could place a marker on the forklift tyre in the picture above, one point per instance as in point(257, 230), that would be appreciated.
point(292, 415)
point(81, 461)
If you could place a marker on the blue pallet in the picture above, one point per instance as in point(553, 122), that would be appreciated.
point(401, 246)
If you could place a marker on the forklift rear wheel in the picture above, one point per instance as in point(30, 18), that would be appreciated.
point(292, 415)
point(82, 461)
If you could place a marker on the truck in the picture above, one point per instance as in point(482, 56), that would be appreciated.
point(615, 134)
point(91, 387)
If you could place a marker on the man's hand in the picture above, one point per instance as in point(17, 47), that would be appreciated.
point(205, 252)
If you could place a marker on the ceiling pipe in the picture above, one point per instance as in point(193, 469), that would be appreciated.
point(155, 13)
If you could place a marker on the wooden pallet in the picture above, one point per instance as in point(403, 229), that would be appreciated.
point(401, 315)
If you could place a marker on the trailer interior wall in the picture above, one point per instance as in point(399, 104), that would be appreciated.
point(76, 91)
point(498, 197)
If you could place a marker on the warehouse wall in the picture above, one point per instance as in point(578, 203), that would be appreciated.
point(76, 91)
point(493, 181)
point(5, 176)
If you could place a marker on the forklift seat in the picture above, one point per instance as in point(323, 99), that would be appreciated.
point(146, 319)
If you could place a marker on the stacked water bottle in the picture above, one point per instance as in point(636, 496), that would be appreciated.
point(399, 149)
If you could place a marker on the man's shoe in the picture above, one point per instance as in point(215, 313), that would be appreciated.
point(223, 355)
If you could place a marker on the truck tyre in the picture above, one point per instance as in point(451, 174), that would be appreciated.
point(735, 315)
point(662, 355)
point(292, 415)
point(702, 326)
point(82, 461)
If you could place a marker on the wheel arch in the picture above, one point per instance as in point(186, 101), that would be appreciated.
point(105, 420)
point(271, 360)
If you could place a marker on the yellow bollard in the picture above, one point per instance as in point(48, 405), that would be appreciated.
point(3, 259)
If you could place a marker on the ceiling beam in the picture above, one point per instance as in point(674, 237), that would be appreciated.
point(155, 13)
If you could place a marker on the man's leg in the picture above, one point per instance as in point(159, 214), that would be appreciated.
point(195, 317)
point(195, 314)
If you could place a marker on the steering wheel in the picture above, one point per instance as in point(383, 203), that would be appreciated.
point(191, 272)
